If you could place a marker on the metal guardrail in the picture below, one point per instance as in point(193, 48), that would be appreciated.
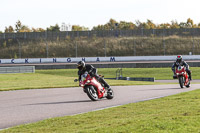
point(17, 69)
point(120, 77)
point(118, 73)
point(134, 79)
point(140, 79)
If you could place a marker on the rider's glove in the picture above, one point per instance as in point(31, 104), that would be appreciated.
point(92, 74)
point(174, 76)
point(79, 83)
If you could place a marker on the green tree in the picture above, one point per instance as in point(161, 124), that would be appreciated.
point(18, 26)
point(199, 25)
point(190, 23)
point(54, 28)
point(9, 29)
point(150, 24)
point(145, 25)
point(6, 30)
point(126, 25)
point(79, 28)
point(38, 30)
point(164, 26)
point(174, 25)
point(99, 27)
point(112, 24)
point(25, 28)
point(139, 24)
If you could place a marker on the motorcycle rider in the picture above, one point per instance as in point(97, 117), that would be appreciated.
point(181, 62)
point(92, 71)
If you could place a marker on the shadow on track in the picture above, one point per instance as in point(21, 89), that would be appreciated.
point(83, 101)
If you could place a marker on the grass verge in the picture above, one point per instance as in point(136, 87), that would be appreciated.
point(65, 77)
point(174, 114)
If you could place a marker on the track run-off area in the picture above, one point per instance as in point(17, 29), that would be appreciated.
point(28, 106)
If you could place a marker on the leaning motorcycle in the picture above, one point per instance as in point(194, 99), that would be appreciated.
point(93, 88)
point(182, 76)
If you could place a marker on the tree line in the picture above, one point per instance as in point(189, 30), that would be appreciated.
point(112, 24)
point(19, 27)
point(123, 25)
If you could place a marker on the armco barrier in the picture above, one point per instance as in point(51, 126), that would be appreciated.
point(111, 65)
point(134, 79)
point(140, 79)
point(105, 65)
point(17, 69)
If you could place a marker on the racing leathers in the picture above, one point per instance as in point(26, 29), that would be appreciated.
point(182, 63)
point(93, 73)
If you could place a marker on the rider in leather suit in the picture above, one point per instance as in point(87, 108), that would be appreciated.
point(182, 63)
point(92, 71)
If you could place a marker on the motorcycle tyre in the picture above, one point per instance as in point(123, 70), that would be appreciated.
point(110, 94)
point(89, 90)
point(181, 81)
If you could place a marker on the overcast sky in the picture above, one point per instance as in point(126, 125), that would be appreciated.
point(89, 13)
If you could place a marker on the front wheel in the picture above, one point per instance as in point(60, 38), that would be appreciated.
point(181, 82)
point(110, 94)
point(92, 93)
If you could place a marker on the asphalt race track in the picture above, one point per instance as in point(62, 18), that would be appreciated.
point(27, 106)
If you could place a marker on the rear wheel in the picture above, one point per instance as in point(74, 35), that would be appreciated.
point(92, 93)
point(181, 82)
point(110, 94)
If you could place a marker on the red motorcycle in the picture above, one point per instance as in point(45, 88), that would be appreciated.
point(93, 88)
point(182, 76)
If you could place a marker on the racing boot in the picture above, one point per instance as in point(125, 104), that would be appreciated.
point(102, 82)
point(189, 74)
point(174, 76)
point(105, 84)
point(190, 77)
point(107, 87)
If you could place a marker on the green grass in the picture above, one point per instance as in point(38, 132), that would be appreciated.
point(65, 77)
point(174, 114)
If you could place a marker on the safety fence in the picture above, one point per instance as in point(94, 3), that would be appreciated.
point(102, 33)
point(141, 42)
point(100, 47)
point(17, 69)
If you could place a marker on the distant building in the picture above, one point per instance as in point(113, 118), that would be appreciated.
point(66, 27)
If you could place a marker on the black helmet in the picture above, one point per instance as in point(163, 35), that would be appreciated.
point(81, 65)
point(179, 58)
